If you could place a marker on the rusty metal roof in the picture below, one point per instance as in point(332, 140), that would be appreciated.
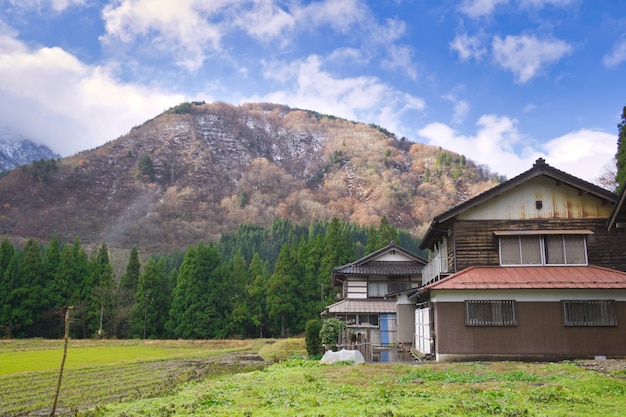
point(531, 277)
point(362, 306)
point(397, 268)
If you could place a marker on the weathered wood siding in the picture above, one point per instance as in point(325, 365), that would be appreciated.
point(473, 243)
point(539, 333)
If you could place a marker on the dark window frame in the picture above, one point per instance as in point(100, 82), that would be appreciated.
point(589, 313)
point(490, 313)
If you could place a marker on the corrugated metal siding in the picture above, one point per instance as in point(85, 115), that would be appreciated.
point(557, 202)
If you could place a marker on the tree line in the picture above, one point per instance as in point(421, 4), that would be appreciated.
point(257, 282)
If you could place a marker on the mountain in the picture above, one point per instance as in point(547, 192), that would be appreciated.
point(16, 150)
point(199, 170)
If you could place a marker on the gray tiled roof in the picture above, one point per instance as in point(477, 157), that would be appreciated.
point(402, 268)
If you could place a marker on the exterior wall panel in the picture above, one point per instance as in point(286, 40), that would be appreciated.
point(475, 244)
point(539, 333)
point(557, 202)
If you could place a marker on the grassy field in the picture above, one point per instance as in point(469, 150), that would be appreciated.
point(207, 378)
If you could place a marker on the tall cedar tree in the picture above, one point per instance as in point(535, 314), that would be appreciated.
point(281, 292)
point(7, 252)
point(620, 156)
point(72, 286)
point(101, 307)
point(310, 286)
point(240, 322)
point(337, 252)
point(381, 237)
point(152, 302)
point(258, 275)
point(198, 296)
point(131, 277)
point(27, 299)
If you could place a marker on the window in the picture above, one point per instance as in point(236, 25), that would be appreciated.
point(490, 313)
point(366, 320)
point(376, 288)
point(520, 250)
point(359, 320)
point(589, 313)
point(551, 249)
point(399, 286)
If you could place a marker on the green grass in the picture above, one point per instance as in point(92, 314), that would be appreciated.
point(46, 355)
point(174, 378)
point(305, 388)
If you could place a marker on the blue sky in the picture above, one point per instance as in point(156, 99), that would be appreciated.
point(501, 81)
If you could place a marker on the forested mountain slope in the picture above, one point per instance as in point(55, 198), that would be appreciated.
point(199, 170)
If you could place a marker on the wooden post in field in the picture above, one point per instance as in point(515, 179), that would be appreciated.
point(66, 339)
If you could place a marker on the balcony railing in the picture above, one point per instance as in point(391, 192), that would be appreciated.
point(435, 268)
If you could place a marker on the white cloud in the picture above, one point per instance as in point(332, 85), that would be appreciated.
point(582, 153)
point(190, 30)
point(55, 5)
point(50, 96)
point(266, 20)
point(468, 47)
point(341, 15)
point(181, 28)
point(617, 54)
point(461, 108)
point(308, 86)
point(479, 8)
point(527, 56)
point(538, 4)
point(401, 57)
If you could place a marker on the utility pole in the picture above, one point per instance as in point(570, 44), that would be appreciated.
point(66, 339)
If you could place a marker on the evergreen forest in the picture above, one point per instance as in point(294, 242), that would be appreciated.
point(257, 282)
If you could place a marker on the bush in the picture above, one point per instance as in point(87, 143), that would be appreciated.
point(312, 337)
point(330, 332)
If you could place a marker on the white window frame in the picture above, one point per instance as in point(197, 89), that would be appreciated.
point(541, 236)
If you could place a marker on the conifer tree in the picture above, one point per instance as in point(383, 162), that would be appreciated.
point(103, 293)
point(240, 321)
point(337, 252)
point(195, 312)
point(387, 233)
point(309, 285)
point(7, 252)
point(130, 279)
point(51, 263)
point(27, 298)
point(281, 292)
point(258, 276)
point(12, 319)
point(151, 307)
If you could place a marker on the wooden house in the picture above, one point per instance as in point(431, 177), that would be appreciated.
point(531, 269)
point(371, 318)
